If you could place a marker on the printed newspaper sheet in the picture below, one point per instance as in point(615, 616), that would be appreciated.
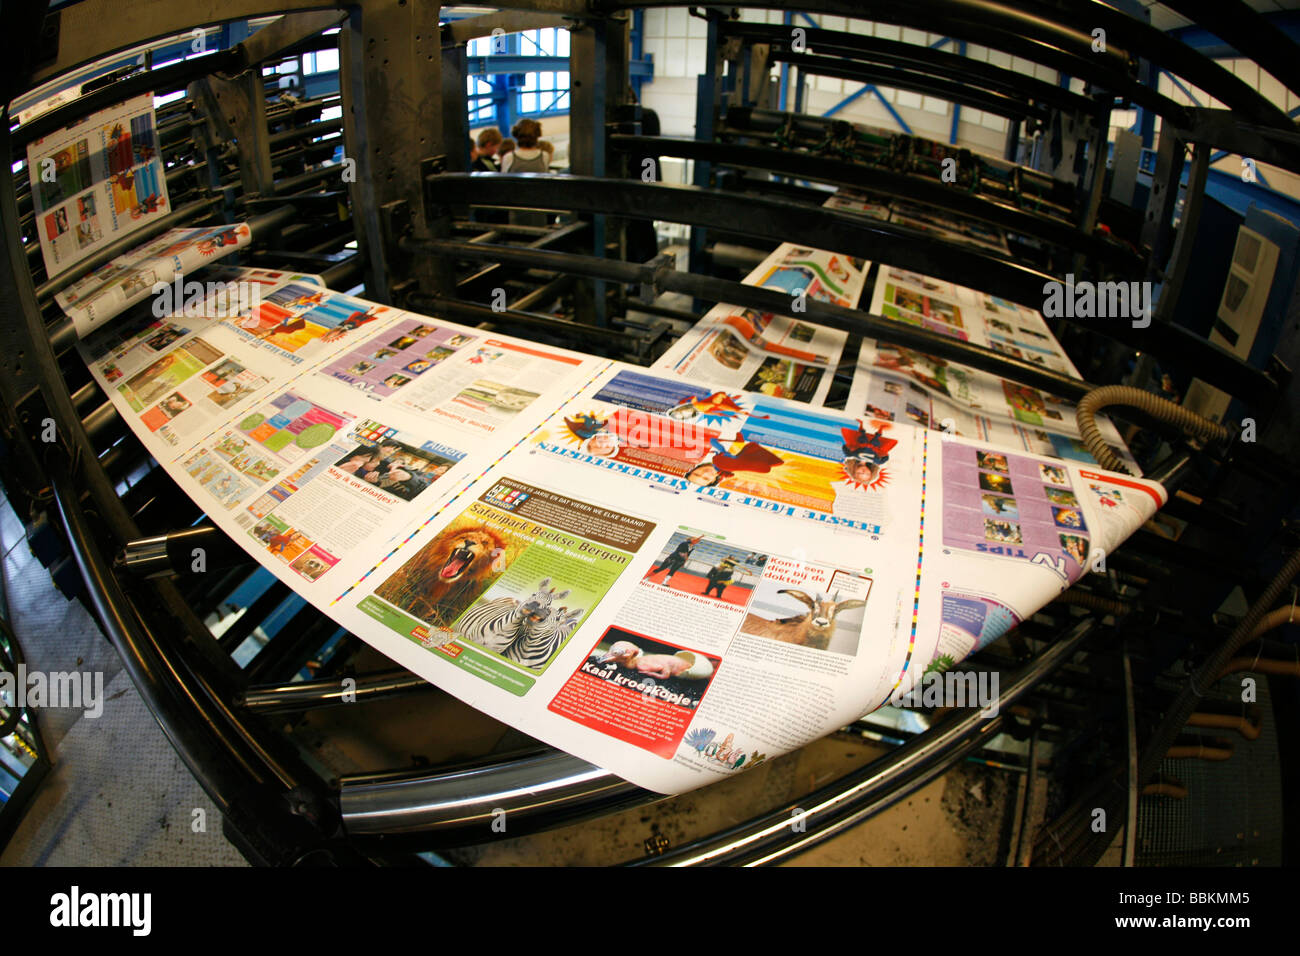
point(96, 181)
point(158, 266)
point(676, 583)
point(778, 355)
point(675, 580)
point(901, 384)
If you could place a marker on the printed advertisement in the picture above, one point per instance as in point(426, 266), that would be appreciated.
point(158, 266)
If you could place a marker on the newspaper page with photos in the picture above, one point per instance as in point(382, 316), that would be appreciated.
point(901, 384)
point(145, 271)
point(678, 583)
point(778, 355)
point(673, 580)
point(260, 415)
point(96, 181)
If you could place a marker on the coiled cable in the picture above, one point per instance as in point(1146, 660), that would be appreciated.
point(1159, 408)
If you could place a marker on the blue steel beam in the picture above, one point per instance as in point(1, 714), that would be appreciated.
point(1215, 157)
point(526, 63)
point(889, 107)
point(1178, 83)
point(866, 88)
point(1207, 44)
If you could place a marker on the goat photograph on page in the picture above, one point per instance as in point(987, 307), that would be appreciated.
point(823, 622)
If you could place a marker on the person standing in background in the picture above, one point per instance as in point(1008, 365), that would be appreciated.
point(489, 141)
point(527, 157)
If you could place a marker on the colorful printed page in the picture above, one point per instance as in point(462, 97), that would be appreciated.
point(949, 228)
point(855, 201)
point(674, 580)
point(778, 355)
point(96, 181)
point(679, 583)
point(253, 412)
point(154, 269)
point(900, 384)
point(968, 315)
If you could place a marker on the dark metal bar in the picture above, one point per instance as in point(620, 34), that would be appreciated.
point(509, 21)
point(164, 80)
point(547, 239)
point(968, 93)
point(916, 188)
point(786, 221)
point(474, 313)
point(1185, 241)
point(458, 806)
point(253, 616)
point(771, 219)
point(543, 294)
point(1253, 36)
point(1033, 33)
point(169, 553)
point(1224, 129)
point(951, 66)
point(291, 646)
point(334, 692)
point(345, 274)
point(766, 300)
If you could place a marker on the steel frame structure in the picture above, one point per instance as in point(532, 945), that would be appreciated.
point(402, 92)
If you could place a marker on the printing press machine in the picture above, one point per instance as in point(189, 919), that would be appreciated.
point(1105, 679)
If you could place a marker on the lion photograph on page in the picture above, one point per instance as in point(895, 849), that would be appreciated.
point(449, 573)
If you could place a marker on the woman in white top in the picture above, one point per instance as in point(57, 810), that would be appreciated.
point(526, 157)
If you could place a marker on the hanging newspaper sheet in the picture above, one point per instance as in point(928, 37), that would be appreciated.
point(778, 355)
point(96, 181)
point(156, 269)
point(895, 383)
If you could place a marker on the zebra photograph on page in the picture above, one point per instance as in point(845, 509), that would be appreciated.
point(513, 576)
point(528, 632)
